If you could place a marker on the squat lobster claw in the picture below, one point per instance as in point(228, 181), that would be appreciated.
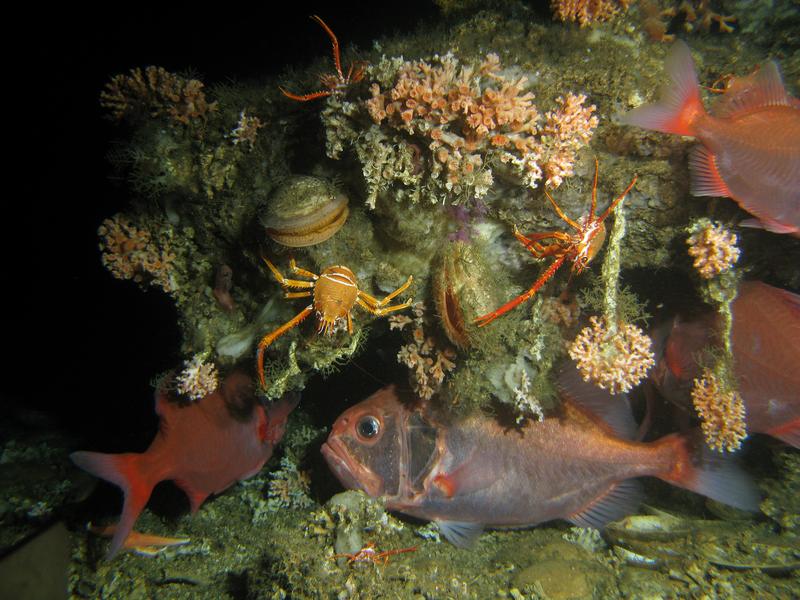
point(334, 82)
point(579, 247)
point(334, 293)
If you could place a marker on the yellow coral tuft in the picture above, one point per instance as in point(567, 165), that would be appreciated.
point(587, 12)
point(722, 412)
point(713, 248)
point(613, 360)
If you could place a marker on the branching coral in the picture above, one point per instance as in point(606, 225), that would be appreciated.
point(246, 130)
point(721, 410)
point(615, 360)
point(462, 121)
point(587, 12)
point(157, 92)
point(198, 378)
point(713, 248)
point(289, 486)
point(428, 363)
point(130, 252)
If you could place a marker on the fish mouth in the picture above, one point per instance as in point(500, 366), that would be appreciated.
point(350, 473)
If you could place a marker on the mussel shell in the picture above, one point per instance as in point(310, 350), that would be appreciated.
point(305, 211)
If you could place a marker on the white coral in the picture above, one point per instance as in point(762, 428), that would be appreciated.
point(198, 378)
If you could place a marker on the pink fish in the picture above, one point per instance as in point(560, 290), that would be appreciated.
point(765, 339)
point(204, 446)
point(749, 145)
point(470, 473)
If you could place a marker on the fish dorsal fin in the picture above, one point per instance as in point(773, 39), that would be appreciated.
point(613, 411)
point(621, 498)
point(757, 91)
point(459, 533)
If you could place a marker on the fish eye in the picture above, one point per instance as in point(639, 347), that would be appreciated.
point(368, 427)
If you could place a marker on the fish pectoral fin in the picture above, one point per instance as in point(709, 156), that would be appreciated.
point(787, 432)
point(144, 544)
point(706, 180)
point(772, 226)
point(196, 497)
point(466, 478)
point(459, 533)
point(621, 499)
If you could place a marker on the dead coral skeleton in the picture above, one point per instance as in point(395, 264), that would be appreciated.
point(429, 364)
point(525, 401)
point(615, 359)
point(131, 252)
point(713, 248)
point(722, 412)
point(476, 116)
point(156, 92)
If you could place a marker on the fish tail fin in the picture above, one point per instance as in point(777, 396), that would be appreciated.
point(679, 103)
point(125, 471)
point(697, 468)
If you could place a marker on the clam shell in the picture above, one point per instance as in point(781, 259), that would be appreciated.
point(305, 211)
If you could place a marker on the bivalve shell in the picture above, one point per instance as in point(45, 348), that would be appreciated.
point(305, 211)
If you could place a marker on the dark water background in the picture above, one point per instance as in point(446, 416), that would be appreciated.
point(83, 346)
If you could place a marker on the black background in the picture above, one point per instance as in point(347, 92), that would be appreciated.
point(79, 344)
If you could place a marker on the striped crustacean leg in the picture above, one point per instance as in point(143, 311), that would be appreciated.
point(379, 307)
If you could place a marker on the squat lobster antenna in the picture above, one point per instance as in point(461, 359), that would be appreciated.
point(334, 82)
point(337, 60)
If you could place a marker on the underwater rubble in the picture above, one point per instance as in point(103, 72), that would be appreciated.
point(338, 237)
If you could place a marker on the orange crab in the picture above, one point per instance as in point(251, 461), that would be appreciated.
point(335, 293)
point(369, 554)
point(580, 247)
point(334, 82)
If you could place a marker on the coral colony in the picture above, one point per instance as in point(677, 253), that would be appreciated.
point(443, 177)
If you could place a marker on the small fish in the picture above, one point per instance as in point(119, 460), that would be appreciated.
point(749, 144)
point(205, 447)
point(473, 472)
point(765, 339)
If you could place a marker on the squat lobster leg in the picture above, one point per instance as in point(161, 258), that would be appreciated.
point(334, 293)
point(378, 307)
point(271, 337)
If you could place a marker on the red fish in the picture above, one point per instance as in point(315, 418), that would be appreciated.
point(749, 145)
point(765, 340)
point(473, 472)
point(204, 447)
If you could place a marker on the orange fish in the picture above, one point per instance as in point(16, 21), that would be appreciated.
point(474, 472)
point(765, 339)
point(749, 144)
point(204, 446)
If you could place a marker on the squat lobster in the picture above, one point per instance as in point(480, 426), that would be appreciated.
point(334, 82)
point(334, 293)
point(579, 247)
point(369, 554)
